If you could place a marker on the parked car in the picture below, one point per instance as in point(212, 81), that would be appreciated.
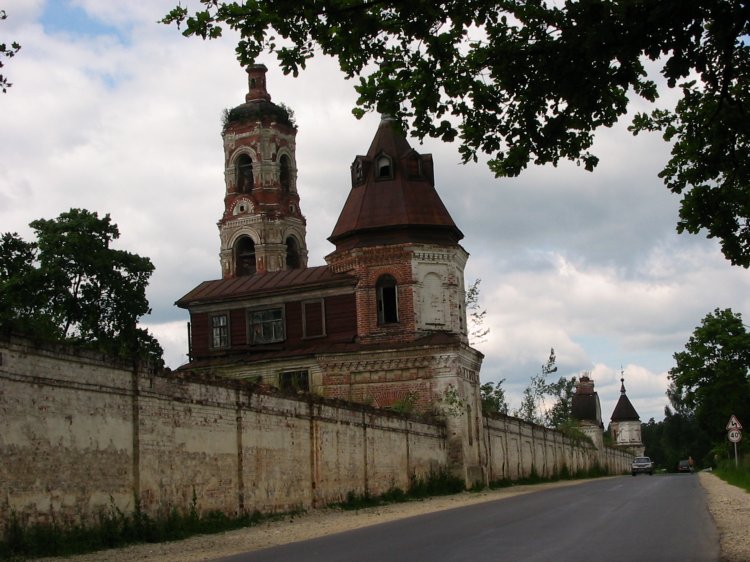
point(642, 465)
point(684, 466)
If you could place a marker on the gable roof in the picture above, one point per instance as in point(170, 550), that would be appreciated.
point(264, 284)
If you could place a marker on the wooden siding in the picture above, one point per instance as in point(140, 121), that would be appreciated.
point(340, 326)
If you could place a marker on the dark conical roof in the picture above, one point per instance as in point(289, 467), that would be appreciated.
point(624, 410)
point(397, 206)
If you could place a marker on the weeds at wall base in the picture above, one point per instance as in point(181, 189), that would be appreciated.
point(114, 529)
point(595, 471)
point(438, 483)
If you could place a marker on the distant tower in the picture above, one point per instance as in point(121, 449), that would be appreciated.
point(625, 424)
point(587, 411)
point(262, 228)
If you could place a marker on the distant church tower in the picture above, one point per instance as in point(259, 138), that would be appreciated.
point(262, 228)
point(625, 424)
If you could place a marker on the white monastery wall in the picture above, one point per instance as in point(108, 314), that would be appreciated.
point(81, 434)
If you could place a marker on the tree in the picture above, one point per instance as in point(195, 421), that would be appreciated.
point(70, 285)
point(8, 52)
point(531, 409)
point(531, 82)
point(561, 410)
point(477, 331)
point(493, 398)
point(710, 378)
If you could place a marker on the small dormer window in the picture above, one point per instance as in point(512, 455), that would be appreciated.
point(359, 173)
point(414, 166)
point(383, 167)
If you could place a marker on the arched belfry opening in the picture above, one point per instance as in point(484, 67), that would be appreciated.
point(285, 173)
point(245, 178)
point(244, 257)
point(293, 260)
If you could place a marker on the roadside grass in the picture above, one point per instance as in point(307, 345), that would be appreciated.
point(114, 529)
point(737, 476)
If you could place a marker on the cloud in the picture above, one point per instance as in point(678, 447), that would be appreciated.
point(123, 117)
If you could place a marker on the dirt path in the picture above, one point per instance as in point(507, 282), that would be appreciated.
point(729, 506)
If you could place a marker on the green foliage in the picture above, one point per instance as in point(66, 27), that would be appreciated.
point(710, 379)
point(675, 438)
point(113, 529)
point(451, 404)
point(8, 52)
point(436, 483)
point(70, 285)
point(531, 82)
point(405, 404)
point(735, 475)
point(493, 398)
point(476, 315)
point(533, 395)
point(559, 415)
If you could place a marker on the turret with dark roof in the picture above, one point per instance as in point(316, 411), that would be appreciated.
point(393, 197)
point(624, 410)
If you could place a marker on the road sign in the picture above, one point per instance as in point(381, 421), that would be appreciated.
point(733, 423)
point(735, 435)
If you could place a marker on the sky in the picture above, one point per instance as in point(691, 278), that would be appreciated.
point(115, 113)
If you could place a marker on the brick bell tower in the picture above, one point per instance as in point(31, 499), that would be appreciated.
point(262, 228)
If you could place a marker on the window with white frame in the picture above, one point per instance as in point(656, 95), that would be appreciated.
point(265, 326)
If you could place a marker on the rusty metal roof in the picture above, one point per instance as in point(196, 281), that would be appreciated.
point(402, 202)
point(264, 284)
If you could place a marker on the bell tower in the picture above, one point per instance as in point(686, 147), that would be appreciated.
point(262, 228)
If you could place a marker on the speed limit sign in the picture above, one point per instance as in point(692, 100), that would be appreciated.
point(735, 435)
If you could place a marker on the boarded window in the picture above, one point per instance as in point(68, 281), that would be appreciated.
point(313, 319)
point(219, 331)
point(266, 326)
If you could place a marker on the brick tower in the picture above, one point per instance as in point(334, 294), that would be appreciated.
point(262, 228)
point(396, 236)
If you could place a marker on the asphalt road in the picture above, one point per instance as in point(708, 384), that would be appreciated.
point(641, 519)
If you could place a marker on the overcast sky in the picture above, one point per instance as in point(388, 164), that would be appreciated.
point(112, 112)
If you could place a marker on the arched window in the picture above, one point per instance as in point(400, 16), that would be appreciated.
point(244, 174)
point(383, 167)
point(387, 298)
point(285, 173)
point(292, 254)
point(244, 256)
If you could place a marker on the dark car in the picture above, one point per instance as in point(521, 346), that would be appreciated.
point(642, 465)
point(684, 466)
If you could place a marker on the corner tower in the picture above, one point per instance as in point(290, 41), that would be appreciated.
point(396, 237)
point(262, 228)
point(625, 423)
